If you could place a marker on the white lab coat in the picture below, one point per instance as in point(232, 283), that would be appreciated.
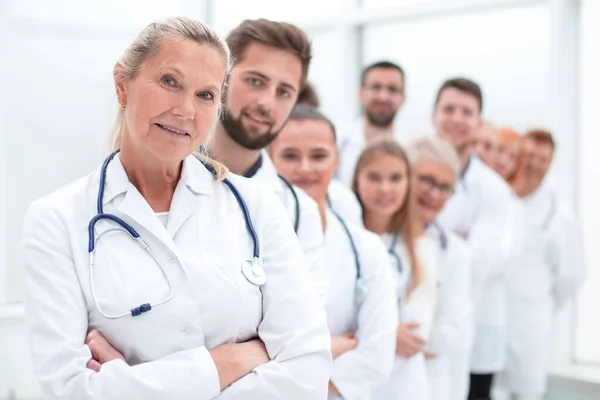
point(409, 378)
point(202, 248)
point(542, 279)
point(449, 338)
point(366, 307)
point(310, 230)
point(351, 142)
point(490, 341)
point(344, 202)
point(477, 211)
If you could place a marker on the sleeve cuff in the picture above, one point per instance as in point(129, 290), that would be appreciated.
point(209, 374)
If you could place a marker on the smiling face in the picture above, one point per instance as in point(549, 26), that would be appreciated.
point(486, 144)
point(262, 91)
point(305, 154)
point(382, 185)
point(382, 95)
point(172, 104)
point(507, 159)
point(456, 117)
point(433, 184)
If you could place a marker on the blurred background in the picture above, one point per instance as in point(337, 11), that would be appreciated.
point(538, 62)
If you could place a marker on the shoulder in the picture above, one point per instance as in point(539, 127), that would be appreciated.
point(67, 199)
point(344, 201)
point(255, 193)
point(489, 181)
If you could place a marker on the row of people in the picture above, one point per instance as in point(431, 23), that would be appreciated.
point(274, 284)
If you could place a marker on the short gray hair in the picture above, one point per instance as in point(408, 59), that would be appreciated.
point(434, 149)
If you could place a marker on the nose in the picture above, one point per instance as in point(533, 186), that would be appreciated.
point(266, 100)
point(185, 109)
point(385, 186)
point(304, 164)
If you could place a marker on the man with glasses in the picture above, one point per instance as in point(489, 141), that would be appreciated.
point(381, 95)
point(478, 212)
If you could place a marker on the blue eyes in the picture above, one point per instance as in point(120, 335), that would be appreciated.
point(169, 81)
point(206, 96)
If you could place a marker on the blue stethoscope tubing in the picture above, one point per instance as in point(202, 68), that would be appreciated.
point(252, 270)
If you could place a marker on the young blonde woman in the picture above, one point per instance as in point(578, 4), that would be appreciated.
point(382, 182)
point(361, 308)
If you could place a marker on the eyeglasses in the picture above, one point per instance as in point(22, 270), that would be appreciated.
point(428, 182)
point(391, 89)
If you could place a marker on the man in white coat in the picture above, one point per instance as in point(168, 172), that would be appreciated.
point(271, 65)
point(475, 211)
point(530, 339)
point(381, 95)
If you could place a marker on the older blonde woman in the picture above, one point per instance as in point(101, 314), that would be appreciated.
point(210, 298)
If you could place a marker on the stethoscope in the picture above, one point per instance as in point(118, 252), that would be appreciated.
point(351, 240)
point(254, 169)
point(252, 269)
point(392, 252)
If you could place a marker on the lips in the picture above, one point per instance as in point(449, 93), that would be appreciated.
point(257, 119)
point(172, 130)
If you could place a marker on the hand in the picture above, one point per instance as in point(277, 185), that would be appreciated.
point(333, 390)
point(236, 360)
point(408, 343)
point(343, 343)
point(252, 354)
point(102, 351)
point(430, 356)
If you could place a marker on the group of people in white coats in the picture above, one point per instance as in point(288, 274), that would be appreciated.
point(511, 252)
point(214, 253)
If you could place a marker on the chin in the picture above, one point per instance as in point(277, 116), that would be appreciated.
point(170, 153)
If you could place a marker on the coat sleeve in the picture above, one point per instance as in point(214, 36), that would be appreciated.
point(56, 313)
point(293, 328)
point(312, 241)
point(454, 298)
point(357, 372)
point(566, 259)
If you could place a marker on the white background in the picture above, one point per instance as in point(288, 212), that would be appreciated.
point(536, 64)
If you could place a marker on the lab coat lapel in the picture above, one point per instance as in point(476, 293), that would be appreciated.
point(139, 211)
point(267, 174)
point(195, 181)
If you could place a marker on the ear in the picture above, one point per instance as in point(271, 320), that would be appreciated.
point(120, 85)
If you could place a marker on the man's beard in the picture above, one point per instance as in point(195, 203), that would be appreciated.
point(239, 134)
point(381, 121)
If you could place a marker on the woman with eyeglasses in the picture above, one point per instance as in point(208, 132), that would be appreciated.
point(435, 171)
point(382, 182)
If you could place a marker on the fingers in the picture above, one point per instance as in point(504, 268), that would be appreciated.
point(411, 325)
point(98, 351)
point(93, 365)
point(97, 336)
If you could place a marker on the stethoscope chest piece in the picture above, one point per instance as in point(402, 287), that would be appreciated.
point(254, 272)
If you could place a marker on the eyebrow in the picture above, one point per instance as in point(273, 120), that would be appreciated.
point(181, 74)
point(266, 78)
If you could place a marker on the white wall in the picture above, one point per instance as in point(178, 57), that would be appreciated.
point(588, 320)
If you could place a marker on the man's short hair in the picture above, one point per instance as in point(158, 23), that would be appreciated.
point(280, 35)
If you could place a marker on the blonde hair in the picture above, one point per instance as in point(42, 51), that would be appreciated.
point(404, 222)
point(434, 149)
point(147, 44)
